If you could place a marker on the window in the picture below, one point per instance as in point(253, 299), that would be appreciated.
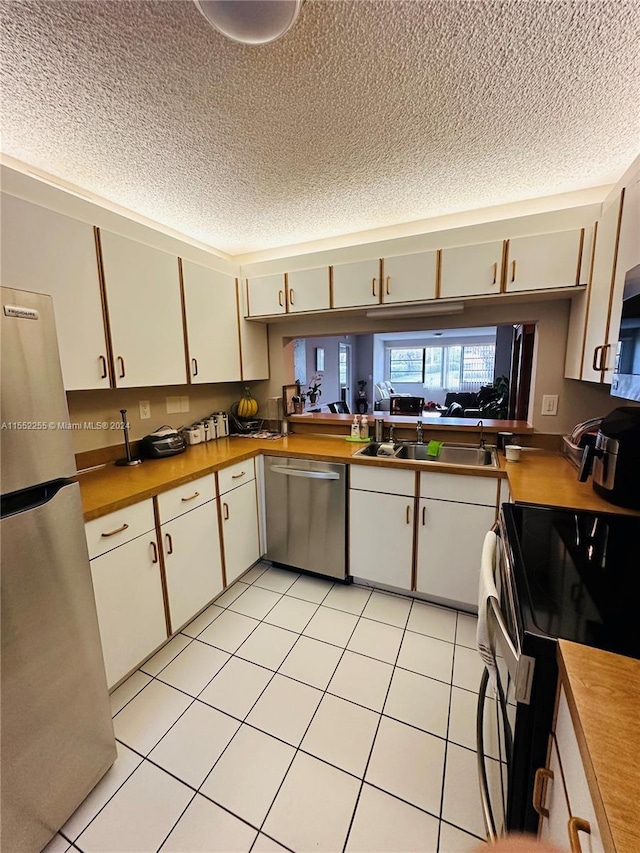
point(457, 368)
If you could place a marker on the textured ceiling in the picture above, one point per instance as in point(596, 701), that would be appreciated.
point(367, 113)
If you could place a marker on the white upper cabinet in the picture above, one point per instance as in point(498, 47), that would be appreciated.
point(471, 270)
point(545, 261)
point(145, 313)
point(266, 295)
point(211, 313)
point(356, 284)
point(410, 278)
point(598, 308)
point(46, 252)
point(308, 290)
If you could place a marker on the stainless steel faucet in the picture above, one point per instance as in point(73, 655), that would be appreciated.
point(481, 425)
point(391, 433)
point(419, 431)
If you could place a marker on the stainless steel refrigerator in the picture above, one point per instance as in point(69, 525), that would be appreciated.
point(57, 733)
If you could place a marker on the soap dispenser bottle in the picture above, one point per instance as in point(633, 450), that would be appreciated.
point(355, 427)
point(364, 428)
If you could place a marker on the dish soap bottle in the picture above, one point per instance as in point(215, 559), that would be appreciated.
point(364, 428)
point(355, 427)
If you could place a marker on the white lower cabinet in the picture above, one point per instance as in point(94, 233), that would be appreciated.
point(128, 590)
point(193, 565)
point(239, 513)
point(562, 796)
point(454, 515)
point(381, 537)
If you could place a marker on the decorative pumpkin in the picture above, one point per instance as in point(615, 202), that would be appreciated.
point(247, 406)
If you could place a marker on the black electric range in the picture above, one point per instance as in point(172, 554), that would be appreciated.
point(563, 574)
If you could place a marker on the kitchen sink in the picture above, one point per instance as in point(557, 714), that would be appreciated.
point(450, 454)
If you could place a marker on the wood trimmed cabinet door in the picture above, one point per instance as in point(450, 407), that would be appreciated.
point(46, 252)
point(386, 556)
point(211, 314)
point(356, 284)
point(145, 313)
point(192, 560)
point(410, 278)
point(546, 261)
point(266, 295)
point(308, 290)
point(471, 270)
point(240, 539)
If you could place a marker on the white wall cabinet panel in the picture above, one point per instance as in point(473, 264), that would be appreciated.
point(193, 566)
point(356, 284)
point(211, 313)
point(46, 252)
point(254, 343)
point(266, 295)
point(145, 313)
point(598, 307)
point(130, 604)
point(545, 261)
point(450, 537)
point(471, 270)
point(240, 529)
point(308, 290)
point(381, 538)
point(410, 278)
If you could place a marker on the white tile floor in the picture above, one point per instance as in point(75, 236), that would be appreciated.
point(295, 714)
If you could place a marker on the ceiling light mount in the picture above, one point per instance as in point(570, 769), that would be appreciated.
point(251, 21)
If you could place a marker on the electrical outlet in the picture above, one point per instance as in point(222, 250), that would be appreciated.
point(173, 405)
point(145, 410)
point(549, 404)
point(184, 404)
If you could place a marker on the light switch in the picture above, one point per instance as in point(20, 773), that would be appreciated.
point(173, 405)
point(549, 404)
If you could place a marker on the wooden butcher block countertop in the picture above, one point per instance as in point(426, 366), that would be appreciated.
point(603, 694)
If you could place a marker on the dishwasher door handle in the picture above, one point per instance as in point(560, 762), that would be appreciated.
point(301, 472)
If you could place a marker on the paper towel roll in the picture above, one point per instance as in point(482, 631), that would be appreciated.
point(385, 449)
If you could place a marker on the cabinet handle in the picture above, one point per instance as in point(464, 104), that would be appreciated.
point(194, 366)
point(191, 497)
point(408, 515)
point(104, 366)
point(113, 532)
point(424, 515)
point(154, 559)
point(576, 825)
point(513, 271)
point(594, 364)
point(122, 369)
point(291, 302)
point(237, 476)
point(280, 302)
point(539, 790)
point(603, 357)
point(495, 273)
point(388, 286)
point(225, 511)
point(373, 287)
point(169, 541)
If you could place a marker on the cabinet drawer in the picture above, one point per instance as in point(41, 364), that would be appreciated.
point(188, 496)
point(235, 475)
point(371, 479)
point(108, 532)
point(459, 488)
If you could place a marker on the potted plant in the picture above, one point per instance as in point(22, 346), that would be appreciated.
point(313, 391)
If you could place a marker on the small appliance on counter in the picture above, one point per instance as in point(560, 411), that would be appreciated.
point(581, 435)
point(165, 441)
point(615, 458)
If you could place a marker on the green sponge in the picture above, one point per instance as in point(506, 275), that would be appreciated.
point(433, 448)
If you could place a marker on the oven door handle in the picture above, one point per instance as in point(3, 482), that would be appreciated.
point(485, 796)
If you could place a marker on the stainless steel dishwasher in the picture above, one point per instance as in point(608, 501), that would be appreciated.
point(306, 514)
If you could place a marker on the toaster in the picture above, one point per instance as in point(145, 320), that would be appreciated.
point(165, 441)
